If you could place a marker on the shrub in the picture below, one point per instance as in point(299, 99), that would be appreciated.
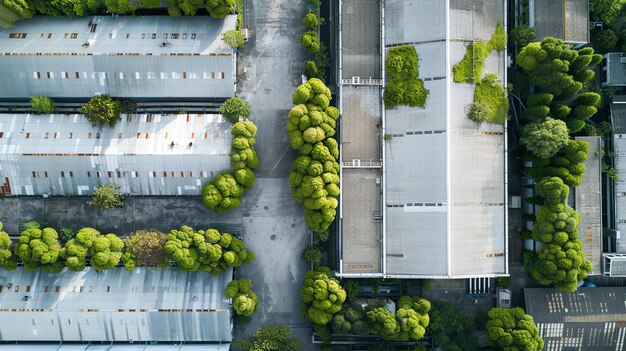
point(478, 111)
point(234, 39)
point(493, 95)
point(67, 234)
point(310, 42)
point(235, 108)
point(42, 104)
point(102, 109)
point(106, 197)
point(270, 338)
point(244, 300)
point(310, 70)
point(311, 21)
point(511, 328)
point(409, 322)
point(7, 261)
point(522, 35)
point(312, 255)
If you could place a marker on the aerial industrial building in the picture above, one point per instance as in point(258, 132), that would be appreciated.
point(145, 154)
point(141, 57)
point(424, 191)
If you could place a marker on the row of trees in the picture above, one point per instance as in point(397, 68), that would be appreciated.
point(315, 174)
point(14, 10)
point(190, 250)
point(309, 39)
point(557, 109)
point(403, 86)
point(223, 192)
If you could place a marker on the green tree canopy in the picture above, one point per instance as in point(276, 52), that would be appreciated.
point(235, 108)
point(606, 11)
point(323, 295)
point(209, 251)
point(42, 104)
point(522, 35)
point(106, 252)
point(512, 329)
point(102, 109)
point(234, 39)
point(219, 8)
point(75, 251)
point(145, 248)
point(106, 197)
point(544, 139)
point(39, 248)
point(6, 260)
point(244, 300)
point(310, 42)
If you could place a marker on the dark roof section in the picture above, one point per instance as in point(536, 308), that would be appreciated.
point(588, 319)
point(618, 114)
point(564, 19)
point(615, 67)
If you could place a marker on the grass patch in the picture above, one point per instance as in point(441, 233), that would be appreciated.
point(403, 86)
point(470, 68)
point(490, 92)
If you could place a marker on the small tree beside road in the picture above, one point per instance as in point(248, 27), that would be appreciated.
point(106, 197)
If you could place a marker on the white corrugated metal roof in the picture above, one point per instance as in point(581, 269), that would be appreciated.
point(114, 35)
point(115, 305)
point(137, 134)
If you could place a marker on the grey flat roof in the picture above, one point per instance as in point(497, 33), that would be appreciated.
point(615, 69)
point(115, 305)
point(118, 35)
point(563, 19)
point(588, 319)
point(588, 199)
point(445, 190)
point(115, 347)
point(618, 120)
point(136, 134)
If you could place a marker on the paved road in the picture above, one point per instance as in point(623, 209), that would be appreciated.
point(274, 226)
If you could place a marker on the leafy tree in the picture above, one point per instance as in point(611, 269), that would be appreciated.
point(75, 251)
point(120, 6)
point(6, 260)
point(606, 39)
point(32, 225)
point(74, 8)
point(451, 329)
point(478, 111)
point(544, 139)
point(42, 104)
point(13, 10)
point(145, 248)
point(606, 10)
point(350, 320)
point(102, 109)
point(409, 322)
point(312, 255)
point(323, 295)
point(310, 70)
point(269, 338)
point(219, 8)
point(234, 39)
point(106, 197)
point(244, 300)
point(310, 42)
point(522, 35)
point(39, 248)
point(314, 179)
point(566, 164)
point(207, 251)
point(235, 108)
point(106, 252)
point(512, 329)
point(311, 21)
